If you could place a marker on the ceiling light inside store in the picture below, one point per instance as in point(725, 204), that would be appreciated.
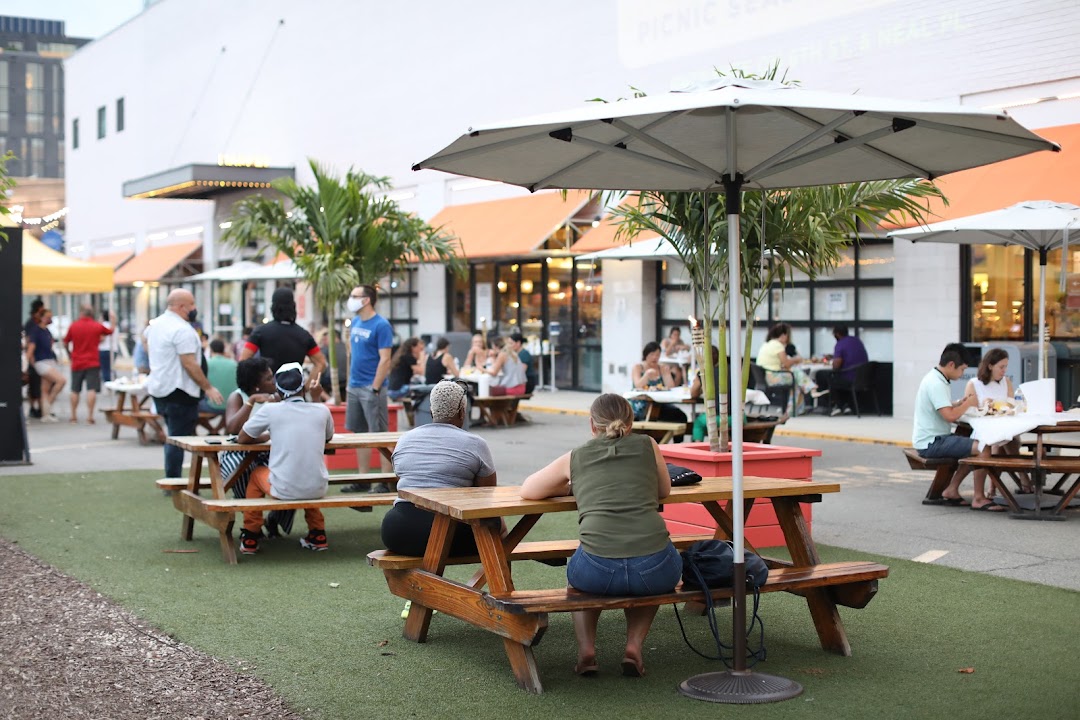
point(225, 225)
point(189, 231)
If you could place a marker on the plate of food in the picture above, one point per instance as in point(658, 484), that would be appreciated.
point(997, 408)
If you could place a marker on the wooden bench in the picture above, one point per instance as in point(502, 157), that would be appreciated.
point(178, 484)
point(1024, 467)
point(661, 432)
point(852, 584)
point(220, 514)
point(944, 469)
point(138, 419)
point(213, 423)
point(539, 550)
point(500, 410)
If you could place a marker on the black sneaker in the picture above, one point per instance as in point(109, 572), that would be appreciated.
point(249, 542)
point(354, 488)
point(315, 540)
point(379, 488)
point(35, 413)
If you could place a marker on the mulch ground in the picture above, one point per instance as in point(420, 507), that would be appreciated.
point(66, 651)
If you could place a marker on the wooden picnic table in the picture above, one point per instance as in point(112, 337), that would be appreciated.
point(132, 410)
point(1038, 465)
point(520, 617)
point(218, 510)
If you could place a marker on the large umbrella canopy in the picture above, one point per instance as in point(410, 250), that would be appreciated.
point(47, 271)
point(654, 248)
point(1039, 225)
point(237, 271)
point(727, 135)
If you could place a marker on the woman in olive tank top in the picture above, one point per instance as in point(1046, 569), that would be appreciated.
point(618, 479)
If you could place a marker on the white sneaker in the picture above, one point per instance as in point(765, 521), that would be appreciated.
point(818, 393)
point(50, 418)
point(836, 411)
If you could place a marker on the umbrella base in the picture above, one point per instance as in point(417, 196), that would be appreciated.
point(740, 687)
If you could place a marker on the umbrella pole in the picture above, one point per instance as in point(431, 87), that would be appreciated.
point(737, 686)
point(1042, 311)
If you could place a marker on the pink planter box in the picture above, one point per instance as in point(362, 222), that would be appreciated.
point(346, 459)
point(759, 460)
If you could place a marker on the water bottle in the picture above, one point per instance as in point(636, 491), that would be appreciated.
point(1018, 401)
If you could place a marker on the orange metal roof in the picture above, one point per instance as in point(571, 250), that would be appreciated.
point(113, 260)
point(602, 237)
point(153, 263)
point(514, 226)
point(1039, 176)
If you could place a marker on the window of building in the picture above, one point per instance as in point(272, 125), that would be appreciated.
point(5, 109)
point(57, 109)
point(101, 122)
point(37, 157)
point(397, 301)
point(75, 134)
point(35, 98)
point(120, 115)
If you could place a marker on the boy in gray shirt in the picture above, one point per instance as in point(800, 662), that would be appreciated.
point(299, 431)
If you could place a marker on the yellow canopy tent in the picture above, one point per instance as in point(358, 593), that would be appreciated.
point(47, 271)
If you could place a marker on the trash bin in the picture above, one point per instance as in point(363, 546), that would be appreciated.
point(1068, 372)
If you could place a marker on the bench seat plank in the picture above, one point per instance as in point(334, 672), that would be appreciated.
point(263, 504)
point(780, 579)
point(1056, 464)
point(177, 484)
point(533, 550)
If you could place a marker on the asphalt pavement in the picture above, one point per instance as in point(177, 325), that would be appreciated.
point(878, 509)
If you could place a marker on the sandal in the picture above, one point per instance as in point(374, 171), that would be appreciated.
point(632, 667)
point(586, 668)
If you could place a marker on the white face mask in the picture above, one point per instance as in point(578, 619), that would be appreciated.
point(354, 304)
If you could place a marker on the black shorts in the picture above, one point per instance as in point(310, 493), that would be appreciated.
point(405, 531)
point(91, 377)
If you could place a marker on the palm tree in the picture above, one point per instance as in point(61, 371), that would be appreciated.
point(337, 232)
point(783, 231)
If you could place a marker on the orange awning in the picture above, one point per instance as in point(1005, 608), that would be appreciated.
point(154, 263)
point(602, 237)
point(1038, 176)
point(113, 260)
point(514, 226)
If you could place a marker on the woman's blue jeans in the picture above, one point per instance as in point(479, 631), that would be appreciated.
point(644, 575)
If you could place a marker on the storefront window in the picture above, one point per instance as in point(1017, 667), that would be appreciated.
point(460, 302)
point(997, 292)
point(589, 292)
point(532, 299)
point(1062, 306)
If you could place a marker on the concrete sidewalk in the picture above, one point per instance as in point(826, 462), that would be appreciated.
point(868, 428)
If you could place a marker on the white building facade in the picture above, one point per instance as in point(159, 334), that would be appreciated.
point(379, 86)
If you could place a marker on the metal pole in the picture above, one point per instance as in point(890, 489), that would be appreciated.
point(1042, 311)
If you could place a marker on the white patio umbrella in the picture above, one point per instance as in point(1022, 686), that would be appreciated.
point(1039, 225)
point(728, 135)
point(236, 271)
point(281, 270)
point(638, 250)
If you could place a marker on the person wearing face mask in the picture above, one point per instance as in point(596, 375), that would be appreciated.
point(176, 374)
point(370, 339)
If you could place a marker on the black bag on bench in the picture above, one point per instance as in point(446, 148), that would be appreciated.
point(711, 564)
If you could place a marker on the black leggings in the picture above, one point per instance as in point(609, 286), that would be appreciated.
point(405, 531)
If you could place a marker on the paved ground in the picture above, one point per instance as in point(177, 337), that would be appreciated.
point(878, 510)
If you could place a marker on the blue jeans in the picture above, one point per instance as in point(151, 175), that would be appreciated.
point(948, 446)
point(180, 419)
point(645, 575)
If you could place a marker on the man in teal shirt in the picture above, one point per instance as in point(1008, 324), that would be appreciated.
point(221, 371)
point(932, 433)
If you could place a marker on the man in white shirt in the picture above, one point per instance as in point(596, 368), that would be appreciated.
point(176, 375)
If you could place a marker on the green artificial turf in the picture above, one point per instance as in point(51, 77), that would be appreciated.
point(337, 652)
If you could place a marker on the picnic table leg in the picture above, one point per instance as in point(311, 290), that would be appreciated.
point(997, 483)
point(724, 529)
point(187, 526)
point(510, 541)
point(438, 549)
point(497, 566)
point(830, 628)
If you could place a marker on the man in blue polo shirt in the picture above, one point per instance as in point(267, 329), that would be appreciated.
point(371, 339)
point(932, 434)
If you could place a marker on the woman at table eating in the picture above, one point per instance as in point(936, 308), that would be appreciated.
point(990, 385)
point(650, 374)
point(773, 357)
point(617, 479)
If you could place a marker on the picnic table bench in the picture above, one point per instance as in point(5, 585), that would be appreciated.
point(218, 511)
point(519, 616)
point(500, 410)
point(661, 432)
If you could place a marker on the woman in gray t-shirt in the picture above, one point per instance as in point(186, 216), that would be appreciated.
point(437, 455)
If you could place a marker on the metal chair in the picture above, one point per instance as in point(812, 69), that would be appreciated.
point(864, 382)
point(777, 394)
